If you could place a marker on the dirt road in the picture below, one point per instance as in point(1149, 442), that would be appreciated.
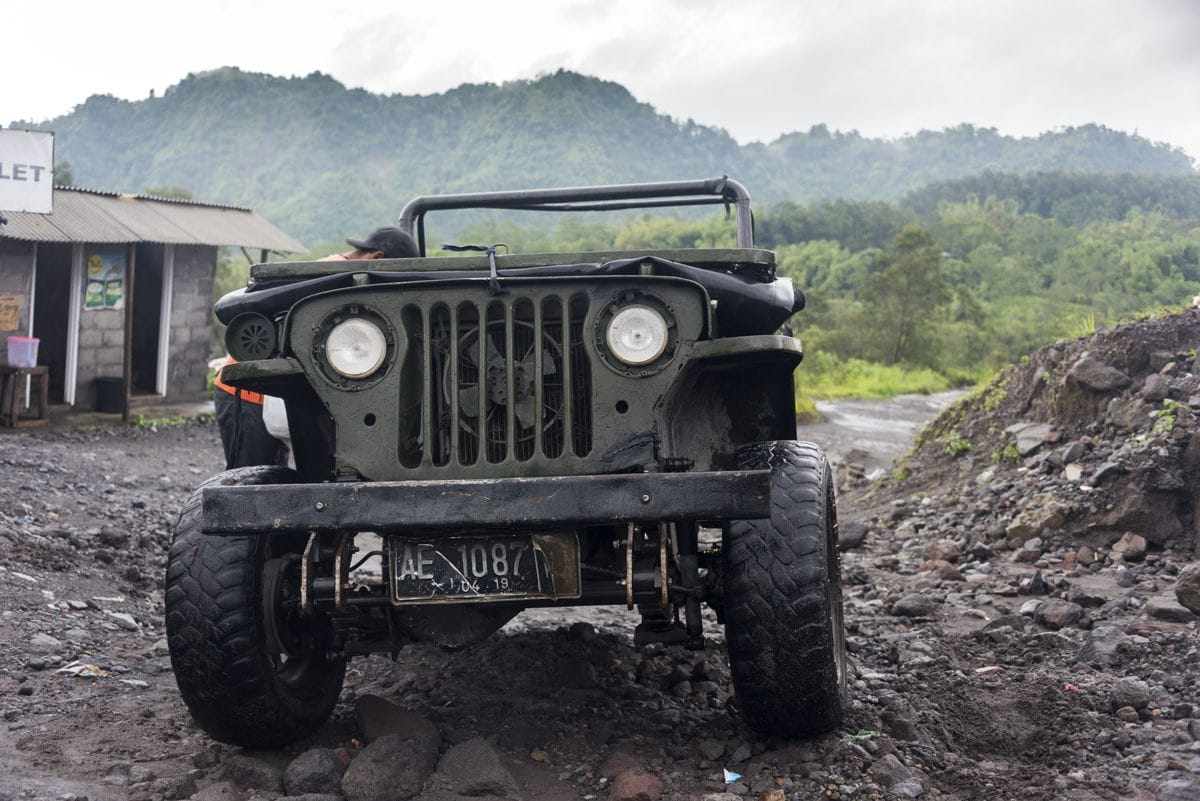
point(872, 433)
point(956, 693)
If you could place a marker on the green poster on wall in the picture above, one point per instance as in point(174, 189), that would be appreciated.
point(104, 287)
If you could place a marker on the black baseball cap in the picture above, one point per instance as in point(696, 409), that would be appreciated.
point(394, 243)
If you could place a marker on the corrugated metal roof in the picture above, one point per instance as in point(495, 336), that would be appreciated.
point(88, 215)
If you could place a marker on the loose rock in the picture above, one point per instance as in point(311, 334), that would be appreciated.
point(1168, 609)
point(1130, 548)
point(636, 785)
point(943, 550)
point(914, 605)
point(1095, 375)
point(851, 535)
point(1056, 614)
point(1187, 587)
point(252, 773)
point(318, 770)
point(1129, 692)
point(473, 768)
point(392, 767)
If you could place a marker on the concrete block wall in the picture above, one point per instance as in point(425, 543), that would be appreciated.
point(101, 351)
point(102, 332)
point(16, 278)
point(191, 320)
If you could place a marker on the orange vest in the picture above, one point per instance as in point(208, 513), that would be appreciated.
point(247, 395)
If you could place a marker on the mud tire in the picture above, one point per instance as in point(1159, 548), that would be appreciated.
point(783, 598)
point(235, 687)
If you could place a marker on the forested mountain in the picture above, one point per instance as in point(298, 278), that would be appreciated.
point(323, 161)
point(1071, 198)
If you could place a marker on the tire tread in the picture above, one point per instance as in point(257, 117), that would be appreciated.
point(777, 605)
point(216, 637)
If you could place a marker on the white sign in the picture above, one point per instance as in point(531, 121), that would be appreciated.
point(26, 171)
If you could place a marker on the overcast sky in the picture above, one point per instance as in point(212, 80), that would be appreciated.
point(757, 68)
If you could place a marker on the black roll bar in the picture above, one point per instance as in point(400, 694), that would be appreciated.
point(592, 198)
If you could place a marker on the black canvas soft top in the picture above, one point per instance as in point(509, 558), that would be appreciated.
point(750, 298)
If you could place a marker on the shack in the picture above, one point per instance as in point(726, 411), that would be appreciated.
point(118, 289)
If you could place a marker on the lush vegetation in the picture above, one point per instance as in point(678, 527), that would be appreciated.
point(824, 375)
point(324, 162)
point(1070, 198)
point(928, 261)
point(901, 301)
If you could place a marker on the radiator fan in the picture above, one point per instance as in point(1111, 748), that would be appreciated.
point(492, 381)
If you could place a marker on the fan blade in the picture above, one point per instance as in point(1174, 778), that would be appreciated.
point(468, 401)
point(526, 412)
point(468, 350)
point(548, 365)
point(494, 359)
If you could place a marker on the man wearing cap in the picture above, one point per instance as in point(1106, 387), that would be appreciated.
point(383, 243)
point(254, 426)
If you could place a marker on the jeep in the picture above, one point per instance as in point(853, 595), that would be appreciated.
point(500, 431)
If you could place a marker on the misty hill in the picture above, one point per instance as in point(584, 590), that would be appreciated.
point(323, 161)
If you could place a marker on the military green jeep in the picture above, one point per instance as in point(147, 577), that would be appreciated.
point(496, 432)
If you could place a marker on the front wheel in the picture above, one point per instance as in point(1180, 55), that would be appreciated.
point(251, 668)
point(783, 598)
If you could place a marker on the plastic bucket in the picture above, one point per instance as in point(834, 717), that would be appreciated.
point(110, 395)
point(22, 351)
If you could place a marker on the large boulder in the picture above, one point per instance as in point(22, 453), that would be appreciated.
point(1028, 436)
point(377, 717)
point(1187, 587)
point(1044, 512)
point(1153, 515)
point(1090, 372)
point(392, 768)
point(474, 768)
point(252, 772)
point(636, 785)
point(317, 770)
point(1058, 614)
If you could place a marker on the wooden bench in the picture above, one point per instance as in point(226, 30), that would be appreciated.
point(11, 384)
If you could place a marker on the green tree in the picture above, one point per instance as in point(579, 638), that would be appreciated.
point(906, 299)
point(63, 175)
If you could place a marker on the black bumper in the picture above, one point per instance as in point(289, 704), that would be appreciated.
point(525, 502)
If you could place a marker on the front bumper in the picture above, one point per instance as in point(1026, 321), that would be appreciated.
point(384, 506)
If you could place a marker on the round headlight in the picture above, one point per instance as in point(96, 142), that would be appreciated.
point(637, 335)
point(355, 348)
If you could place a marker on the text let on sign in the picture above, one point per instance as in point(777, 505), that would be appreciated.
point(26, 171)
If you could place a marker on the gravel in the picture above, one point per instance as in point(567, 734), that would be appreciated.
point(979, 677)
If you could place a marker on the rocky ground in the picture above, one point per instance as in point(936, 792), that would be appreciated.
point(1010, 597)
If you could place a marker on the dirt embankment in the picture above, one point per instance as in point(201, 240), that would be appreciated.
point(1008, 640)
point(1107, 425)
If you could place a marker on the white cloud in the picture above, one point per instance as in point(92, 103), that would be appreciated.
point(757, 68)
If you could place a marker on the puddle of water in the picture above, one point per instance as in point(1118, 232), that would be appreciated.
point(873, 432)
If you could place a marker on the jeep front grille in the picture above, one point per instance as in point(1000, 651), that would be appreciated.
point(495, 382)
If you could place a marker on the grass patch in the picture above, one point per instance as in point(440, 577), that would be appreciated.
point(1008, 454)
point(955, 444)
point(142, 421)
point(823, 375)
point(806, 409)
point(1164, 422)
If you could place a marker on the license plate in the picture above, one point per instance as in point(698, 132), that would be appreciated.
point(483, 568)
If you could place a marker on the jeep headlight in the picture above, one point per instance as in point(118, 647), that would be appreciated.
point(355, 348)
point(637, 334)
